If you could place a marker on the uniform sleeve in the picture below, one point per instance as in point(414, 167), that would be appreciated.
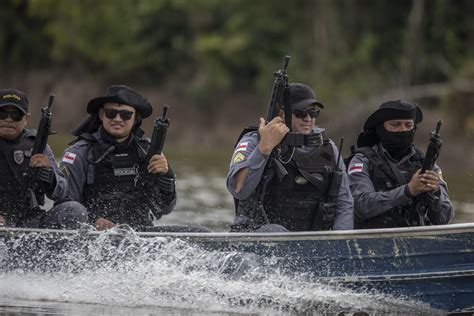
point(345, 203)
point(163, 193)
point(367, 202)
point(60, 182)
point(246, 155)
point(444, 212)
point(74, 167)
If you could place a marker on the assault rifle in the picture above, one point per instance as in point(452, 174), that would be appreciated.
point(41, 140)
point(160, 127)
point(326, 212)
point(427, 200)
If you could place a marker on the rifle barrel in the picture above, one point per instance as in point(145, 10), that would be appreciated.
point(438, 126)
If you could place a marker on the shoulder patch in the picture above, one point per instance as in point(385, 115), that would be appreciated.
point(241, 146)
point(355, 167)
point(69, 157)
point(238, 157)
point(65, 171)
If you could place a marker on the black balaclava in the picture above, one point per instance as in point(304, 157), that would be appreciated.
point(398, 144)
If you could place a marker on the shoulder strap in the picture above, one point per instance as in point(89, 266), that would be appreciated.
point(248, 129)
point(388, 167)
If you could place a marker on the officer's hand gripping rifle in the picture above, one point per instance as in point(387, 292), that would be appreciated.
point(160, 127)
point(41, 140)
point(427, 200)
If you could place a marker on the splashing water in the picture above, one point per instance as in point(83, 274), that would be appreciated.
point(135, 272)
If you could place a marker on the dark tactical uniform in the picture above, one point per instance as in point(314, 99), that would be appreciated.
point(382, 198)
point(14, 202)
point(113, 182)
point(295, 201)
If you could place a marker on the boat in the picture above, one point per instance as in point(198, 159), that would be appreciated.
point(430, 264)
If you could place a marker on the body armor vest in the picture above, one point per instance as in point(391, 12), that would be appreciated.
point(115, 184)
point(384, 179)
point(14, 162)
point(293, 202)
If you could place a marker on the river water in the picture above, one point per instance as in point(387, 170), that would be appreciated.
point(171, 277)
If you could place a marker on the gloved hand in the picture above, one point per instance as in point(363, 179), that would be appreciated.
point(46, 176)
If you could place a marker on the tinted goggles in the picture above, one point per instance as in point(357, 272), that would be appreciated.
point(303, 113)
point(15, 115)
point(124, 114)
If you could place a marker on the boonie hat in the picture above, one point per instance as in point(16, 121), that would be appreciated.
point(302, 96)
point(15, 98)
point(123, 95)
point(394, 110)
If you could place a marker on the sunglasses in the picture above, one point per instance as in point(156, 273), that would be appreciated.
point(124, 114)
point(301, 114)
point(15, 115)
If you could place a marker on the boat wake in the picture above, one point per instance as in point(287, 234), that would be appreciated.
point(130, 271)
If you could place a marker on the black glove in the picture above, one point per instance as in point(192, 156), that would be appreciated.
point(431, 200)
point(47, 177)
point(166, 183)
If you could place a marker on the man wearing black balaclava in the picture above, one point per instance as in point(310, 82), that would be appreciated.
point(384, 174)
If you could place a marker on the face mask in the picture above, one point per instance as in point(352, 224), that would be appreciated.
point(396, 143)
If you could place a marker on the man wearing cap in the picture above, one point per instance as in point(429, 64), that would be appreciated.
point(384, 173)
point(16, 143)
point(107, 166)
point(289, 204)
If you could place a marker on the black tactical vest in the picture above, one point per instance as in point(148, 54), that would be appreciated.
point(384, 179)
point(14, 162)
point(293, 202)
point(115, 185)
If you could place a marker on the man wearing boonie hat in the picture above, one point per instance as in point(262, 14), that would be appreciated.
point(107, 166)
point(16, 143)
point(384, 173)
point(295, 202)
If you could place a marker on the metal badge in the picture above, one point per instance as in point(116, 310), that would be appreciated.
point(18, 156)
point(300, 180)
point(28, 153)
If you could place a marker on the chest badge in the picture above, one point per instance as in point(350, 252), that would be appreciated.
point(28, 153)
point(300, 180)
point(18, 156)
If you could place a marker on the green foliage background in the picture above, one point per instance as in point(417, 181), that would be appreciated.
point(206, 49)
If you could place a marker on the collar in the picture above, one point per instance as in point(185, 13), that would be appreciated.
point(407, 157)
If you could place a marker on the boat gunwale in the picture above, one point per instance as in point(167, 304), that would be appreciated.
point(419, 231)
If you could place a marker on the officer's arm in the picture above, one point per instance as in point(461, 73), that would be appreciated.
point(345, 203)
point(246, 167)
point(164, 192)
point(58, 187)
point(74, 167)
point(367, 202)
point(444, 212)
